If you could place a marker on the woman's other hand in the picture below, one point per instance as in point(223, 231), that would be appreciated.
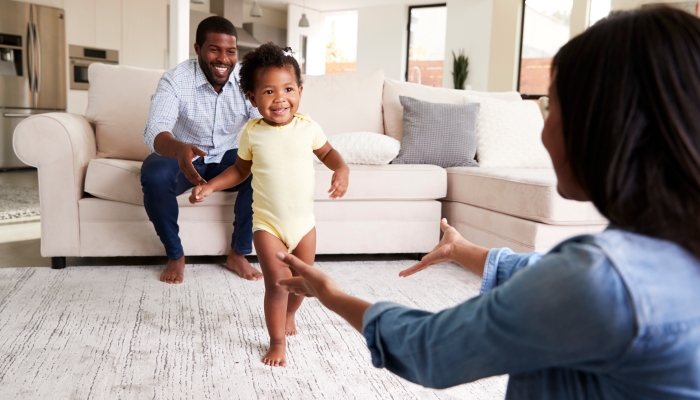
point(441, 253)
point(311, 282)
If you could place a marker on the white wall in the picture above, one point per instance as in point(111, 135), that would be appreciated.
point(271, 16)
point(504, 56)
point(316, 44)
point(469, 28)
point(381, 40)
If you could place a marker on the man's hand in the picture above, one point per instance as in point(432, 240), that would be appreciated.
point(339, 182)
point(311, 282)
point(184, 159)
point(199, 193)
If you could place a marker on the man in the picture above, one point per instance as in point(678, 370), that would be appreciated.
point(192, 130)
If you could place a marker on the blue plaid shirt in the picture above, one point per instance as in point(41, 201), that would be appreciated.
point(186, 105)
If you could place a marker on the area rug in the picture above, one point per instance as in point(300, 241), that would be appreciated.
point(118, 333)
point(18, 202)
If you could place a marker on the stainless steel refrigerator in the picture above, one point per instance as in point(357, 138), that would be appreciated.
point(32, 68)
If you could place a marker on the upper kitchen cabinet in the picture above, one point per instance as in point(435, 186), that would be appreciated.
point(108, 24)
point(145, 33)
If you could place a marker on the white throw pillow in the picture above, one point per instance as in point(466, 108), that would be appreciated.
point(508, 134)
point(366, 148)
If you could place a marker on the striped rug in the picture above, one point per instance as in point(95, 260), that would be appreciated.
point(119, 333)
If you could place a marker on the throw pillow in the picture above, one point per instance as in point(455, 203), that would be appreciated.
point(367, 148)
point(437, 133)
point(508, 134)
point(393, 112)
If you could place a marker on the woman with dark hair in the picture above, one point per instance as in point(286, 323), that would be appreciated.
point(612, 315)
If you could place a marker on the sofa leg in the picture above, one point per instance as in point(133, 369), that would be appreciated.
point(58, 262)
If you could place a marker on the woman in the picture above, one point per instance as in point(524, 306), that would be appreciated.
point(612, 315)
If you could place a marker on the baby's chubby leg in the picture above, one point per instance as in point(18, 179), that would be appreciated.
point(305, 251)
point(267, 246)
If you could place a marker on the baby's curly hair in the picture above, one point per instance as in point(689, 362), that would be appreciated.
point(267, 55)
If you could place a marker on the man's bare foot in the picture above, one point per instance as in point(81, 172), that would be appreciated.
point(174, 272)
point(290, 328)
point(238, 264)
point(276, 356)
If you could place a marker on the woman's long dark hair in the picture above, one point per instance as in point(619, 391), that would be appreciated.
point(629, 89)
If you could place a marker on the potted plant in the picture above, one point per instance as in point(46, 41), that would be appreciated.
point(460, 69)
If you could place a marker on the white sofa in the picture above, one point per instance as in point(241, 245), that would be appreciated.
point(92, 204)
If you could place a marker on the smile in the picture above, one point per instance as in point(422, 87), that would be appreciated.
point(220, 70)
point(280, 111)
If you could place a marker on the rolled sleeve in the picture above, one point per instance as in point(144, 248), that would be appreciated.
point(371, 331)
point(164, 111)
point(502, 263)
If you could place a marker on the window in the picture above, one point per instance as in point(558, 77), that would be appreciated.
point(426, 44)
point(546, 27)
point(340, 31)
point(599, 10)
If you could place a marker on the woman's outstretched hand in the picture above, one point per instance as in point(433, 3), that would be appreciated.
point(311, 282)
point(441, 253)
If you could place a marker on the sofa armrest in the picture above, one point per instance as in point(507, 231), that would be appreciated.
point(60, 145)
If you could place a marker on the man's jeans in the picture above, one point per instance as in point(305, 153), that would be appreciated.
point(162, 181)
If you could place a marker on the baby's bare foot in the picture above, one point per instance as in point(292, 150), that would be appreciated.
point(290, 328)
point(174, 272)
point(238, 264)
point(276, 356)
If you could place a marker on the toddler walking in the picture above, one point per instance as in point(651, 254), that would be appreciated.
point(278, 150)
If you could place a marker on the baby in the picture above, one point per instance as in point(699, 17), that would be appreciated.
point(277, 149)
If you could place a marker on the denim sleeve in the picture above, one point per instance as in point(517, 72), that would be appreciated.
point(501, 264)
point(165, 107)
point(569, 309)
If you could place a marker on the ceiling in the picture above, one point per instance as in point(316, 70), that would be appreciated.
point(338, 5)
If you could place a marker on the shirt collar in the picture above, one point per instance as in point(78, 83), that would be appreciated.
point(200, 79)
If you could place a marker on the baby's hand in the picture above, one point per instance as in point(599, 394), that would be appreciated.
point(339, 183)
point(199, 193)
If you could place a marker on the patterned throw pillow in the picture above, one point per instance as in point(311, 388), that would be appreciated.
point(508, 134)
point(439, 134)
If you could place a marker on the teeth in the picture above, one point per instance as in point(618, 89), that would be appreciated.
point(221, 69)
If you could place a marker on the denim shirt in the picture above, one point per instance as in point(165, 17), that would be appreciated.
point(609, 316)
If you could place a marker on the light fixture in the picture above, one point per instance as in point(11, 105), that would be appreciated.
point(304, 22)
point(256, 11)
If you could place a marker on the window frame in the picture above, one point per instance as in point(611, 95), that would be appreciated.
point(520, 58)
point(408, 30)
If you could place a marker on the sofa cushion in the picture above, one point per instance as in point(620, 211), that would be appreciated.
point(118, 104)
point(120, 180)
point(492, 229)
point(437, 133)
point(508, 134)
point(526, 193)
point(344, 102)
point(393, 111)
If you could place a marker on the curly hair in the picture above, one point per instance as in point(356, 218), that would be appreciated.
point(265, 56)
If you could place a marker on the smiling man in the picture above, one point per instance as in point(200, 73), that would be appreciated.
point(192, 130)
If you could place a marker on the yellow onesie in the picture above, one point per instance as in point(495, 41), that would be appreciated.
point(283, 175)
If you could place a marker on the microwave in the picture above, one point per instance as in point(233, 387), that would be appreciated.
point(80, 59)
